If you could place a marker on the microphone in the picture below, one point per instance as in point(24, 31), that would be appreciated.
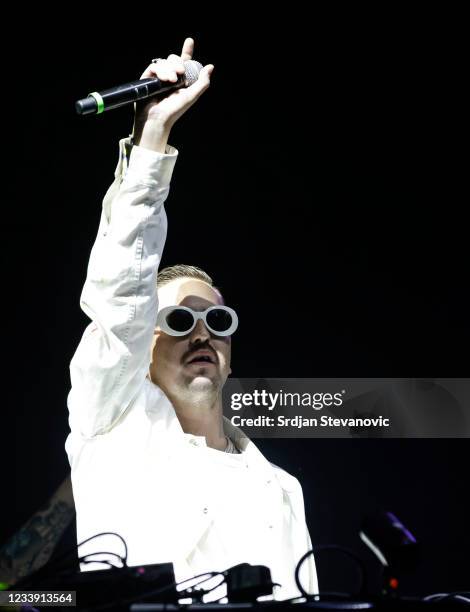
point(99, 101)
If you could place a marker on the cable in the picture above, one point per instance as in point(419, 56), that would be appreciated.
point(108, 563)
point(203, 592)
point(346, 551)
point(108, 533)
point(224, 574)
point(297, 571)
point(463, 596)
point(209, 574)
point(67, 553)
point(84, 559)
point(54, 565)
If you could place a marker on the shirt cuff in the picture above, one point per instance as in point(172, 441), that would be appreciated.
point(146, 166)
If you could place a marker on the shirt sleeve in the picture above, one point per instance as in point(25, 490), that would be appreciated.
point(120, 295)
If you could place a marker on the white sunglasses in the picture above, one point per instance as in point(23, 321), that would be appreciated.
point(181, 320)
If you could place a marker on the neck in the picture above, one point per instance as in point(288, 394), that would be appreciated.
point(202, 416)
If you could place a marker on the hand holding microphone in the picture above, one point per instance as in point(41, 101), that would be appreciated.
point(99, 101)
point(154, 115)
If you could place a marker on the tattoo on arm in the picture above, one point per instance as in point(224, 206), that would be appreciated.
point(32, 546)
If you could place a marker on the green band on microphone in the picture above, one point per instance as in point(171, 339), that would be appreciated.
point(99, 101)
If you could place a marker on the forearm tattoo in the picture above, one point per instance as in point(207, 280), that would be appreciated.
point(32, 546)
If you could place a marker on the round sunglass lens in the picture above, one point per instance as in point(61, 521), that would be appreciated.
point(219, 320)
point(180, 320)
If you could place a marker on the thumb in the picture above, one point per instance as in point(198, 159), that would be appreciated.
point(206, 71)
point(209, 69)
point(202, 83)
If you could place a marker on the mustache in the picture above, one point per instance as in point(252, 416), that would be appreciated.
point(203, 346)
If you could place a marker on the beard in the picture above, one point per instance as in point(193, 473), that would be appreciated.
point(200, 388)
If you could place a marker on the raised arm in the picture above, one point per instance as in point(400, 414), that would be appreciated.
point(119, 295)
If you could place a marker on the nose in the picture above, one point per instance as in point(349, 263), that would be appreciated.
point(199, 334)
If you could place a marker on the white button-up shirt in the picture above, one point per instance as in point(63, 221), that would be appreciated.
point(134, 470)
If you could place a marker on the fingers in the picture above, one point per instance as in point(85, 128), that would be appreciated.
point(171, 107)
point(203, 82)
point(169, 69)
point(177, 63)
point(165, 70)
point(188, 49)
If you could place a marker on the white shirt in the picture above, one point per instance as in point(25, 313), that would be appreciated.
point(134, 470)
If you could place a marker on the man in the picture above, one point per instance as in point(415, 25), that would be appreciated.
point(152, 457)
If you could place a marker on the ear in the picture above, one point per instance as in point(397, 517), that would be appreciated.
point(229, 371)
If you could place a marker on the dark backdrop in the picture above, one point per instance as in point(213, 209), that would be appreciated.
point(320, 181)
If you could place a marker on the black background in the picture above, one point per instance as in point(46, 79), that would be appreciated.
point(320, 182)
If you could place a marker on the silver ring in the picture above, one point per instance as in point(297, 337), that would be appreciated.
point(156, 60)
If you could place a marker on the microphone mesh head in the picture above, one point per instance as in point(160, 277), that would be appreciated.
point(193, 69)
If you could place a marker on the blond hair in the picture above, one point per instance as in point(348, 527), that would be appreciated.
point(171, 273)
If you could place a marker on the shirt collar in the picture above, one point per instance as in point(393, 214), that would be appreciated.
point(170, 423)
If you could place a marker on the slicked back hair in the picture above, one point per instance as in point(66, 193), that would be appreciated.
point(172, 273)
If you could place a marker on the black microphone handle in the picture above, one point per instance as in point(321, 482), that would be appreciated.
point(98, 102)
